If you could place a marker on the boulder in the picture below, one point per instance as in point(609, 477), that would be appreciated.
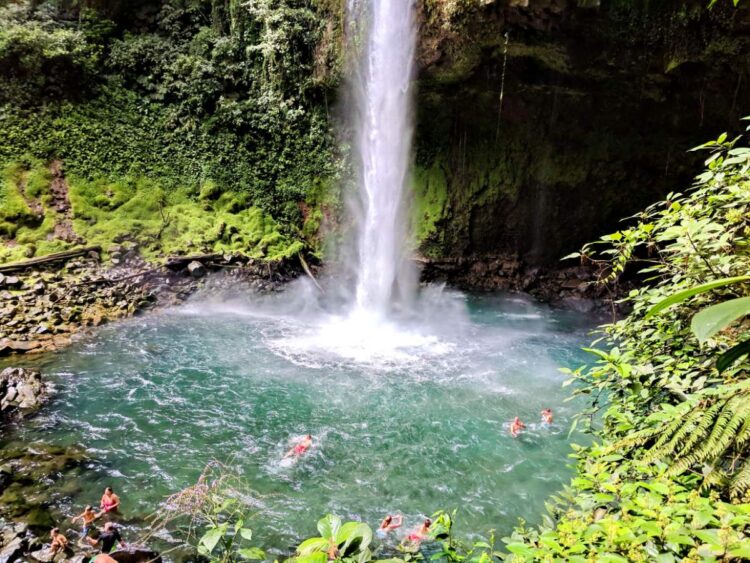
point(22, 388)
point(13, 550)
point(22, 346)
point(135, 555)
point(196, 269)
point(13, 282)
point(43, 555)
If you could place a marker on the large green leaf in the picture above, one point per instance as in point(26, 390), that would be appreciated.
point(687, 293)
point(352, 531)
point(252, 553)
point(313, 545)
point(732, 355)
point(712, 319)
point(212, 537)
point(319, 557)
point(328, 526)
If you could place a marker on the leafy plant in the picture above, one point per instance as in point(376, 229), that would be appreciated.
point(213, 514)
point(714, 318)
point(347, 542)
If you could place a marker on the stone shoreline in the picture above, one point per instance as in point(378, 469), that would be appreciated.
point(42, 309)
point(571, 287)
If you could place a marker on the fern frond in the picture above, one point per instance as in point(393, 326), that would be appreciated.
point(741, 480)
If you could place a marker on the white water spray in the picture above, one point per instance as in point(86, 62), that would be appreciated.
point(383, 126)
point(384, 325)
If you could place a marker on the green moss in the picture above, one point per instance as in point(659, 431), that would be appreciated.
point(430, 200)
point(14, 211)
point(210, 190)
point(165, 223)
point(38, 181)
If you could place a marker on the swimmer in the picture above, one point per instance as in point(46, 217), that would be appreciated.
point(110, 501)
point(87, 517)
point(108, 538)
point(516, 426)
point(547, 416)
point(417, 536)
point(59, 541)
point(104, 558)
point(389, 524)
point(300, 447)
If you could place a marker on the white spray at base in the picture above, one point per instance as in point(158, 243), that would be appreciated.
point(384, 323)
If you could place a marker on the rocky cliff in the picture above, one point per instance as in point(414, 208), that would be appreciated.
point(541, 123)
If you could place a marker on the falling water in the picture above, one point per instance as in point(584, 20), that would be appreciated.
point(383, 125)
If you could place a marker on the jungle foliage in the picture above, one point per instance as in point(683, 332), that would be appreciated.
point(668, 478)
point(179, 94)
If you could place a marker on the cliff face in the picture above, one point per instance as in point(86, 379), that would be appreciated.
point(541, 123)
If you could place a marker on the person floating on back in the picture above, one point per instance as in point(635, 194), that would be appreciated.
point(107, 538)
point(547, 416)
point(389, 524)
point(59, 541)
point(87, 517)
point(300, 447)
point(110, 501)
point(516, 426)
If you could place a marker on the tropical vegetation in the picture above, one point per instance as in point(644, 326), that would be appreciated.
point(667, 477)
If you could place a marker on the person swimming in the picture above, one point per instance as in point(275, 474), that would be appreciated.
point(110, 501)
point(301, 447)
point(389, 524)
point(547, 416)
point(516, 426)
point(420, 534)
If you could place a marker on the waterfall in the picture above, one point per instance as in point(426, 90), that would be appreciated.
point(382, 116)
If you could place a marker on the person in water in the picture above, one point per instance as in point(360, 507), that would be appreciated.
point(110, 501)
point(108, 538)
point(547, 416)
point(59, 541)
point(516, 426)
point(87, 517)
point(420, 534)
point(300, 447)
point(389, 524)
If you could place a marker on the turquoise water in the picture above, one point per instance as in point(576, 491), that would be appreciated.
point(411, 429)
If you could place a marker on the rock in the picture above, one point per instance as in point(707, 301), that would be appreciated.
point(39, 288)
point(21, 346)
point(23, 389)
point(41, 329)
point(578, 304)
point(13, 282)
point(196, 269)
point(135, 555)
point(13, 550)
point(44, 555)
point(10, 395)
